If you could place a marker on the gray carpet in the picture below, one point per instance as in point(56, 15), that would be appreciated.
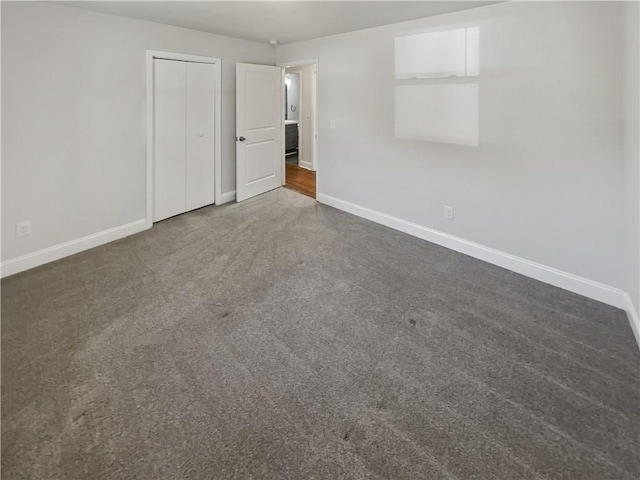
point(282, 339)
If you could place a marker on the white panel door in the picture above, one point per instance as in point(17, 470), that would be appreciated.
point(170, 138)
point(259, 124)
point(200, 168)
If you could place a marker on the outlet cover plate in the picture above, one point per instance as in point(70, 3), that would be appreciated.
point(23, 229)
point(448, 212)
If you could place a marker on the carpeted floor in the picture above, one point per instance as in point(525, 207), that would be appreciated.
point(282, 339)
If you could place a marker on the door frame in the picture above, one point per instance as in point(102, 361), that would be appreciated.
point(316, 162)
point(151, 55)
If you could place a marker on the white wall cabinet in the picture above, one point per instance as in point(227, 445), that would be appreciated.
point(184, 143)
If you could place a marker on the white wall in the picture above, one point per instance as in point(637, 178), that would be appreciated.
point(74, 125)
point(545, 183)
point(631, 153)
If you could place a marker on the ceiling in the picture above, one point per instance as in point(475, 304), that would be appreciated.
point(284, 21)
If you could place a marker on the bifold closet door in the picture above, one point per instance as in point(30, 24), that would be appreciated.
point(200, 134)
point(184, 148)
point(170, 106)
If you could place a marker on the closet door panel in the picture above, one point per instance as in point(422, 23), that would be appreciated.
point(170, 140)
point(200, 135)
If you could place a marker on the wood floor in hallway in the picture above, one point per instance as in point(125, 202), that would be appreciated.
point(301, 180)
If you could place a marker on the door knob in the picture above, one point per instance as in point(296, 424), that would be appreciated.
point(242, 139)
point(201, 135)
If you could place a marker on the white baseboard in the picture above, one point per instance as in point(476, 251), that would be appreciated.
point(634, 320)
point(35, 259)
point(568, 281)
point(227, 197)
point(307, 165)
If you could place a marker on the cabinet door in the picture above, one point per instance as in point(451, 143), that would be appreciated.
point(170, 141)
point(200, 135)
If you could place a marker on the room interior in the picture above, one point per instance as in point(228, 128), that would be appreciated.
point(291, 117)
point(458, 298)
point(300, 128)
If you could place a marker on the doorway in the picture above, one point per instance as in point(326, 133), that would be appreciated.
point(300, 120)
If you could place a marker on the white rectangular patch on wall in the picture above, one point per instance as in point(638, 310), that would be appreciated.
point(450, 53)
point(445, 113)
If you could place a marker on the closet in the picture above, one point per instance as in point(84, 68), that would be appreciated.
point(184, 101)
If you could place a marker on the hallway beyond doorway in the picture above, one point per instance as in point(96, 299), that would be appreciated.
point(300, 180)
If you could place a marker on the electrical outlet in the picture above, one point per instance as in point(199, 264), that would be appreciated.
point(333, 124)
point(448, 212)
point(23, 229)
